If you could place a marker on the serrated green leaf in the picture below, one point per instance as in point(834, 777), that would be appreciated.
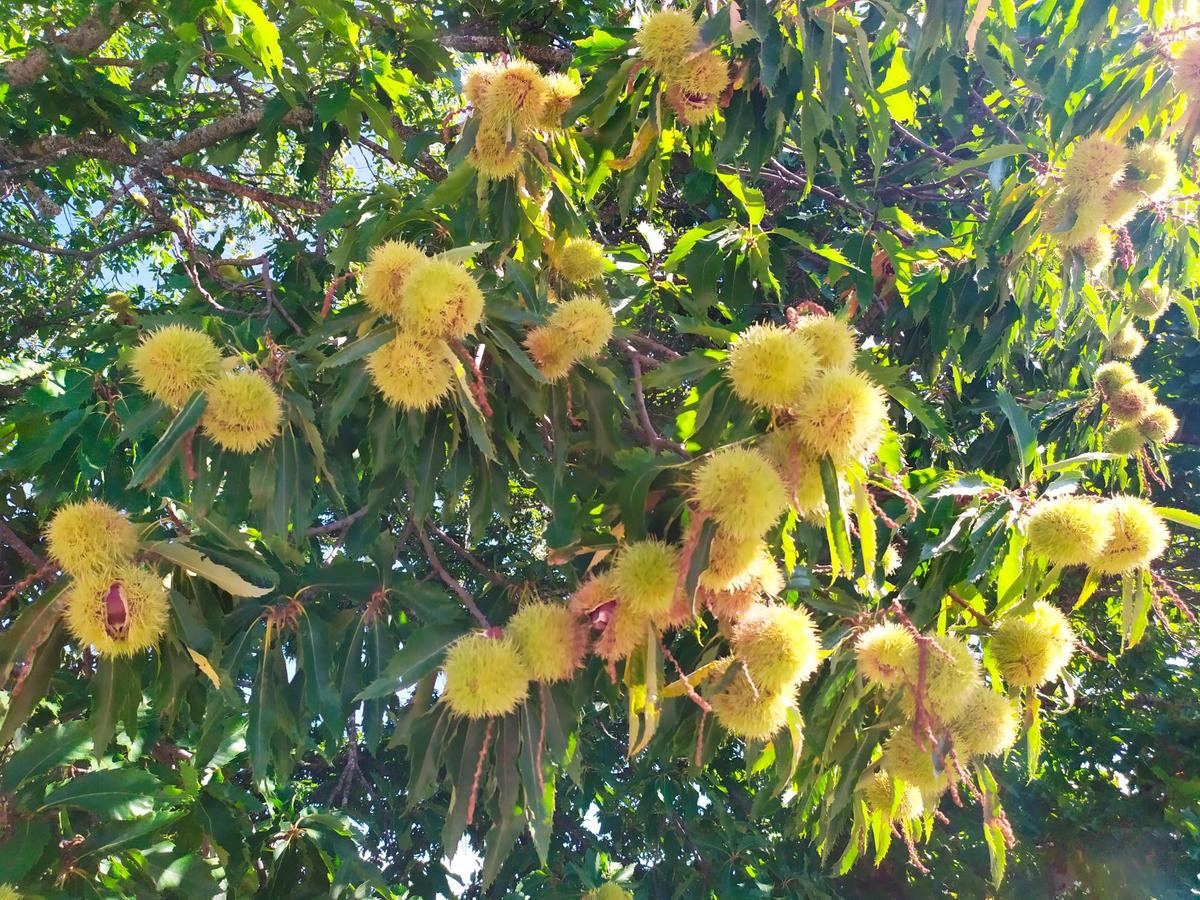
point(49, 748)
point(419, 656)
point(111, 793)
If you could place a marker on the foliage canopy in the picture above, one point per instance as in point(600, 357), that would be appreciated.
point(725, 451)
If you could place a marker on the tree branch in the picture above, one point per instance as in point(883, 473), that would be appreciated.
point(7, 237)
point(79, 40)
point(332, 290)
point(24, 551)
point(983, 620)
point(778, 172)
point(478, 388)
point(471, 558)
point(494, 43)
point(424, 161)
point(155, 156)
point(657, 441)
point(257, 194)
point(338, 524)
point(654, 346)
point(450, 581)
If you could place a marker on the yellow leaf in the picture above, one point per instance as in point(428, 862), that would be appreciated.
point(645, 137)
point(194, 561)
point(896, 90)
point(704, 673)
point(205, 666)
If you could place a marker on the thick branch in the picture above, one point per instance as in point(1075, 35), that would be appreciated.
point(338, 525)
point(10, 537)
point(154, 156)
point(654, 346)
point(85, 37)
point(491, 43)
point(7, 237)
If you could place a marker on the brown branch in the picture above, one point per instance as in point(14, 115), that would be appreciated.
point(79, 40)
point(424, 161)
point(332, 289)
point(477, 385)
point(639, 395)
point(983, 620)
point(273, 301)
point(46, 571)
point(654, 346)
point(250, 192)
point(467, 555)
point(450, 581)
point(338, 524)
point(153, 156)
point(10, 537)
point(1037, 163)
point(692, 694)
point(7, 237)
point(924, 145)
point(490, 43)
point(779, 173)
point(226, 127)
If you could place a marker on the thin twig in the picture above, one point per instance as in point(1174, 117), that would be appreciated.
point(1039, 166)
point(477, 385)
point(45, 571)
point(693, 695)
point(272, 300)
point(983, 620)
point(639, 395)
point(7, 237)
point(332, 289)
point(466, 554)
point(450, 581)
